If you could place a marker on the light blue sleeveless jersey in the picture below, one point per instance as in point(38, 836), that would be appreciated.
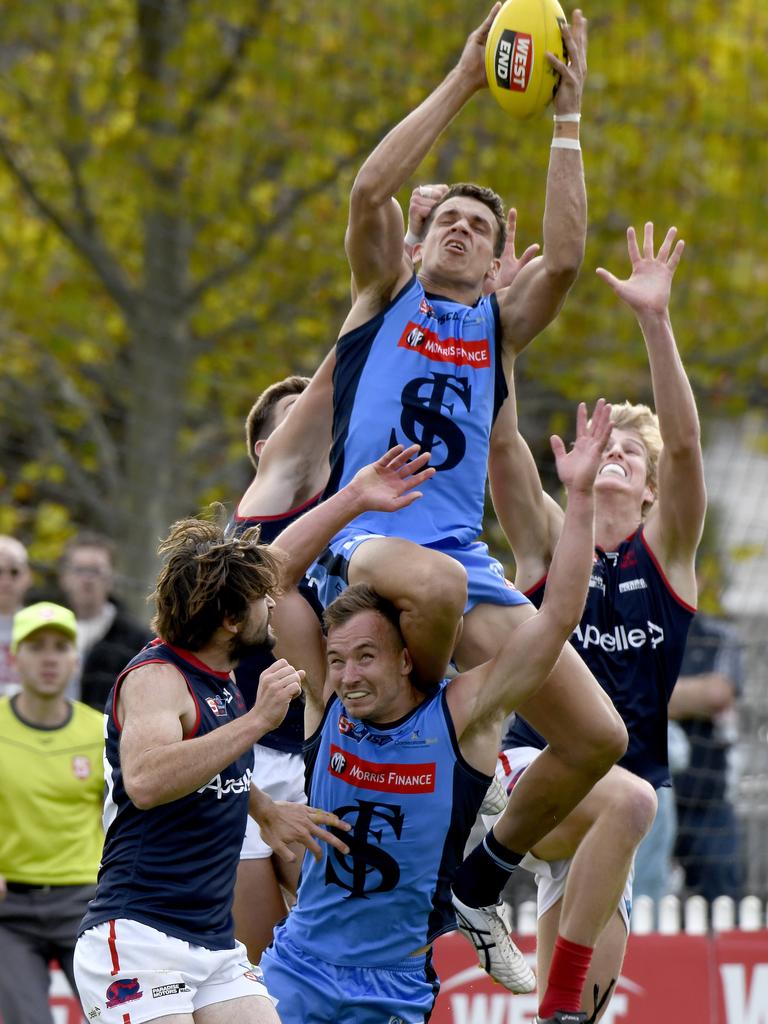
point(411, 800)
point(426, 370)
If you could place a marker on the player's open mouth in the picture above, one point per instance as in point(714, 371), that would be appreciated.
point(613, 469)
point(456, 246)
point(355, 694)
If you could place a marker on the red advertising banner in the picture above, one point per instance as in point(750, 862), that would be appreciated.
point(741, 966)
point(666, 979)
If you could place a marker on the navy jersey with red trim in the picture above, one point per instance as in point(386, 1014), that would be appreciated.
point(411, 799)
point(425, 370)
point(173, 867)
point(289, 735)
point(271, 526)
point(632, 636)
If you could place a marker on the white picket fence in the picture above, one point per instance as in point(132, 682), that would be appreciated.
point(673, 915)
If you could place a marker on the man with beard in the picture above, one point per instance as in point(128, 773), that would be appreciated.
point(158, 938)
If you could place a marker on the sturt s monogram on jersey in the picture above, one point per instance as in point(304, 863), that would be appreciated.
point(367, 868)
point(423, 401)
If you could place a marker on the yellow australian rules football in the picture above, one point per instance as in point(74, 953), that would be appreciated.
point(519, 74)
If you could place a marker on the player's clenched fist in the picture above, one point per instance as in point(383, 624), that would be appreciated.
point(278, 685)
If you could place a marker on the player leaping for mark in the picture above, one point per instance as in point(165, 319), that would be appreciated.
point(420, 358)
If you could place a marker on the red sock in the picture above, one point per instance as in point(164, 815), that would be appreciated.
point(567, 974)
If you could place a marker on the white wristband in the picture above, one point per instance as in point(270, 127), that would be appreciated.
point(566, 118)
point(561, 143)
point(410, 238)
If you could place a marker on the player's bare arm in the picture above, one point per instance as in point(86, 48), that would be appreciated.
point(374, 239)
point(156, 712)
point(702, 696)
point(484, 695)
point(674, 525)
point(299, 639)
point(530, 518)
point(293, 466)
point(535, 297)
point(385, 485)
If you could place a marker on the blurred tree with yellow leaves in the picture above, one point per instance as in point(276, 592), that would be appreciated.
point(173, 186)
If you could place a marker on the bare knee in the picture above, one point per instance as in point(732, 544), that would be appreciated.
point(415, 579)
point(595, 750)
point(436, 587)
point(631, 801)
point(611, 740)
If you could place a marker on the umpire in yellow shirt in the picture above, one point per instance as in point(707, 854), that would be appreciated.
point(51, 794)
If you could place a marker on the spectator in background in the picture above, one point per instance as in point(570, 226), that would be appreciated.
point(107, 637)
point(51, 788)
point(15, 579)
point(655, 872)
point(708, 845)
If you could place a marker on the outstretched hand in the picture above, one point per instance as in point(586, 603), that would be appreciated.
point(648, 288)
point(387, 485)
point(472, 61)
point(282, 823)
point(510, 266)
point(578, 467)
point(574, 72)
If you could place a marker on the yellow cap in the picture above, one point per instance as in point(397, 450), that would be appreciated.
point(43, 615)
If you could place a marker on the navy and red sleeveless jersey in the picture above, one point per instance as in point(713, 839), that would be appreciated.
point(173, 867)
point(289, 735)
point(632, 636)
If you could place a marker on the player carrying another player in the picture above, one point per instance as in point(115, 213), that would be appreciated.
point(420, 358)
point(407, 767)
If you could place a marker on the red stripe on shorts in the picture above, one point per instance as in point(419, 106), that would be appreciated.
point(513, 779)
point(114, 956)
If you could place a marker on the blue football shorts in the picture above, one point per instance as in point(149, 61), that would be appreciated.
point(487, 584)
point(309, 990)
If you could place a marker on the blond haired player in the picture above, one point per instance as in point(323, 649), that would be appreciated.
point(650, 502)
